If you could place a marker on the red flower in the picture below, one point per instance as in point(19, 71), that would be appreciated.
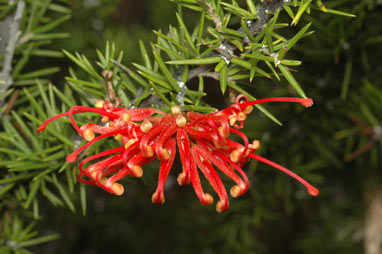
point(146, 133)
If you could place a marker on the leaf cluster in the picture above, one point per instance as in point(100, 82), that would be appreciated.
point(28, 168)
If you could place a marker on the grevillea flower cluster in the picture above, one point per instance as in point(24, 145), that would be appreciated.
point(145, 134)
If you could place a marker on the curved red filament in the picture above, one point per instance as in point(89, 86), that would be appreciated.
point(312, 190)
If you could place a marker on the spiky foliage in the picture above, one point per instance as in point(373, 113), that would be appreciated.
point(27, 30)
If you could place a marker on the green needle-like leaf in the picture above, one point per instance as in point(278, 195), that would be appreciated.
point(346, 79)
point(64, 195)
point(17, 178)
point(145, 55)
point(251, 7)
point(150, 72)
point(239, 11)
point(292, 81)
point(39, 240)
point(34, 187)
point(346, 14)
point(297, 37)
point(51, 25)
point(156, 80)
point(246, 31)
point(223, 78)
point(208, 60)
point(303, 7)
point(27, 131)
point(39, 73)
point(166, 72)
point(83, 198)
point(160, 94)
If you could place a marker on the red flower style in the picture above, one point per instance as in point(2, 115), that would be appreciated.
point(146, 133)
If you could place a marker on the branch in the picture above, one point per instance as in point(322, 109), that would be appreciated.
point(226, 50)
point(263, 14)
point(211, 12)
point(13, 35)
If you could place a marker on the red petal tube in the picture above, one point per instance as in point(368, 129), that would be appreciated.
point(161, 153)
point(73, 156)
point(164, 171)
point(306, 102)
point(79, 109)
point(152, 134)
point(183, 143)
point(205, 198)
point(99, 155)
point(212, 177)
point(216, 159)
